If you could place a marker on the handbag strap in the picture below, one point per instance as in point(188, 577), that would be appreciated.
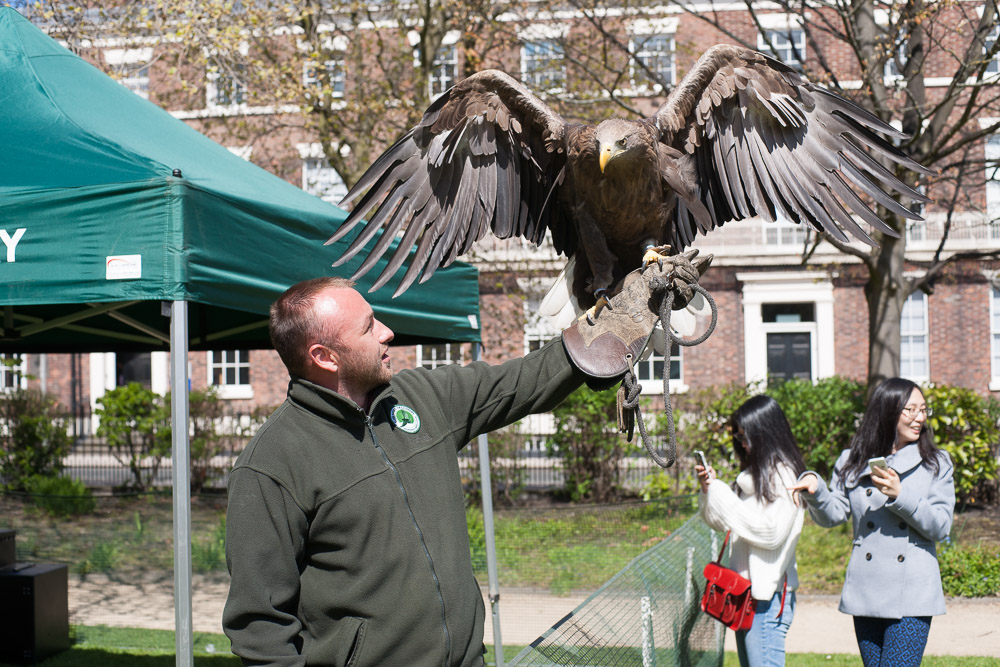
point(723, 549)
point(784, 591)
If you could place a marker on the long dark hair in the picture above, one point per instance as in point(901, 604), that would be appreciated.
point(770, 442)
point(878, 431)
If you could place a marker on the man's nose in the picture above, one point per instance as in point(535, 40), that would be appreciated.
point(386, 334)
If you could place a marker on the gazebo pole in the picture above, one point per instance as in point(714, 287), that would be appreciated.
point(181, 457)
point(486, 487)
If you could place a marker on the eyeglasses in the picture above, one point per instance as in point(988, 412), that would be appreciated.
point(912, 412)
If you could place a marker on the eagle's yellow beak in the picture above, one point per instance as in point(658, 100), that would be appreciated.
point(607, 152)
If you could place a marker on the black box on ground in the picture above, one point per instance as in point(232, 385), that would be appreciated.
point(8, 553)
point(34, 612)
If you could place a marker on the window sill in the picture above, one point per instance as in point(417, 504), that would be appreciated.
point(655, 387)
point(234, 391)
point(995, 384)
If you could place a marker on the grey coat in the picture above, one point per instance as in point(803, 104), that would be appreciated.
point(893, 571)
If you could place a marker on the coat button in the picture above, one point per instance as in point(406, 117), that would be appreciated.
point(868, 492)
point(902, 525)
point(871, 524)
point(869, 556)
point(900, 558)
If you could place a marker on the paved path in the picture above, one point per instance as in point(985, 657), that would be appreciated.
point(971, 626)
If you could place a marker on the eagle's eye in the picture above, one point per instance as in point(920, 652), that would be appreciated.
point(622, 143)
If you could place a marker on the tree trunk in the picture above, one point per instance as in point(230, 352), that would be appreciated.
point(885, 291)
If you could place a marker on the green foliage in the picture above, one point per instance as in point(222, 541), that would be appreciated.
point(965, 425)
point(823, 416)
point(668, 483)
point(136, 423)
point(704, 425)
point(104, 556)
point(61, 496)
point(33, 437)
point(970, 572)
point(209, 555)
point(590, 446)
point(507, 470)
point(477, 537)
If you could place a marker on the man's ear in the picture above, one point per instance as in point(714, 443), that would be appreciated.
point(324, 358)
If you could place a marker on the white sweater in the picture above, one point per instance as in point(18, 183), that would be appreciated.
point(763, 534)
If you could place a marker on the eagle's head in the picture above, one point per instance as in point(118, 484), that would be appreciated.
point(620, 139)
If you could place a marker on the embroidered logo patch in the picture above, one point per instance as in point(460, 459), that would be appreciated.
point(405, 418)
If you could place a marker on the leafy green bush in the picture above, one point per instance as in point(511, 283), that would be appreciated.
point(704, 424)
point(965, 425)
point(33, 437)
point(823, 416)
point(61, 496)
point(508, 473)
point(136, 423)
point(590, 446)
point(102, 557)
point(970, 572)
point(208, 555)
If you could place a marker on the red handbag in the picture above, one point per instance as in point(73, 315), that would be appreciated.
point(727, 595)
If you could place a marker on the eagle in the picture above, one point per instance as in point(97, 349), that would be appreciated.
point(742, 135)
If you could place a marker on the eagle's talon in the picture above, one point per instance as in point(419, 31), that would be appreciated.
point(593, 311)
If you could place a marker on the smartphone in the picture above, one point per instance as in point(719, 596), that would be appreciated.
point(701, 458)
point(877, 462)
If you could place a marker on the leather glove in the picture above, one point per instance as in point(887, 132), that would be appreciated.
point(613, 341)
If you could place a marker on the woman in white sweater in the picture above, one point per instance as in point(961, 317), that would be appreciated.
point(764, 520)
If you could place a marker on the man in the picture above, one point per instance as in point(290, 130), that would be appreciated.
point(346, 535)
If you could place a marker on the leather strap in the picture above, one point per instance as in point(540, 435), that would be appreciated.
point(784, 591)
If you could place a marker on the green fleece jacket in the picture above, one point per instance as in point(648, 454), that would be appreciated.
point(346, 536)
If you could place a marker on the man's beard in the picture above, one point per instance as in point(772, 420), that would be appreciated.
point(365, 374)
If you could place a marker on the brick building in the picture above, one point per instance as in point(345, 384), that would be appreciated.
point(778, 316)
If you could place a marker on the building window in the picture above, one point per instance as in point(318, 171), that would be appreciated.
point(329, 78)
point(994, 65)
point(227, 88)
point(896, 63)
point(443, 69)
point(993, 185)
point(789, 46)
point(542, 65)
point(995, 338)
point(322, 180)
point(916, 230)
point(137, 80)
point(650, 372)
point(914, 359)
point(12, 372)
point(784, 232)
point(229, 373)
point(131, 68)
point(656, 55)
point(433, 356)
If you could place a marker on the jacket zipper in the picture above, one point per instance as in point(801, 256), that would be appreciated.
point(420, 534)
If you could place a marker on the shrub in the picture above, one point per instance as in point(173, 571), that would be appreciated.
point(33, 437)
point(970, 572)
point(823, 417)
point(507, 471)
point(965, 425)
point(136, 423)
point(589, 444)
point(208, 555)
point(704, 425)
point(61, 496)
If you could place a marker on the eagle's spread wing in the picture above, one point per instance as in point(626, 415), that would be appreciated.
point(486, 155)
point(766, 143)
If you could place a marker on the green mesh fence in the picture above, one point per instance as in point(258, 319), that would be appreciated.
point(646, 615)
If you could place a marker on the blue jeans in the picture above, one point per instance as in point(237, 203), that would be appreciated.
point(763, 645)
point(892, 642)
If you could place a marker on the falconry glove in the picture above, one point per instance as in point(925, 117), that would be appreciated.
point(610, 344)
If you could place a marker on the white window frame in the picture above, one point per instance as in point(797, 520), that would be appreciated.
point(439, 78)
point(993, 68)
point(779, 36)
point(775, 287)
point(132, 68)
point(994, 337)
point(14, 377)
point(335, 75)
point(539, 35)
point(783, 233)
point(642, 32)
point(992, 154)
point(322, 180)
point(440, 354)
point(226, 390)
point(653, 383)
point(896, 63)
point(914, 348)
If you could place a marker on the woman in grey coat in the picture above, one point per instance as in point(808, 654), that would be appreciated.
point(893, 583)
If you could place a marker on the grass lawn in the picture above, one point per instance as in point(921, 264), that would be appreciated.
point(101, 646)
